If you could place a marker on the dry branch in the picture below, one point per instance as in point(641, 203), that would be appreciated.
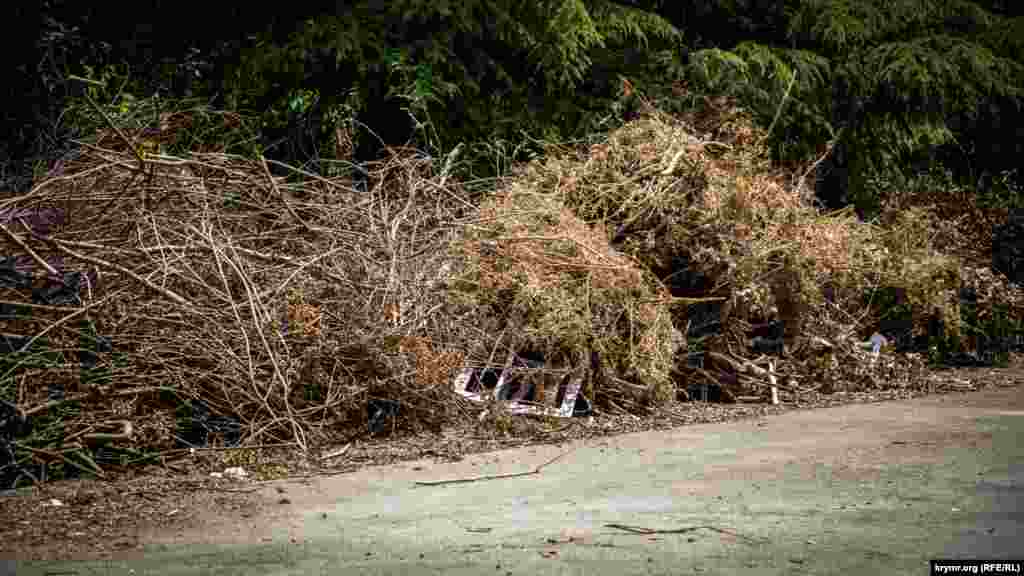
point(101, 262)
point(17, 240)
point(533, 472)
point(647, 531)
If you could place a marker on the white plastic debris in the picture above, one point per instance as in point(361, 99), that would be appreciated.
point(877, 341)
point(513, 400)
point(468, 384)
point(875, 344)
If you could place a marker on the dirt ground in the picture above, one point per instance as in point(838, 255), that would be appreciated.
point(95, 519)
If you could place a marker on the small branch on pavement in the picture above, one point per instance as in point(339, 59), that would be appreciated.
point(647, 531)
point(492, 476)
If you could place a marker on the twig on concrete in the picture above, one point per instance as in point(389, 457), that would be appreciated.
point(647, 531)
point(492, 476)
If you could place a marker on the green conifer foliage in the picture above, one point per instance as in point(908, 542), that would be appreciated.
point(890, 80)
point(468, 70)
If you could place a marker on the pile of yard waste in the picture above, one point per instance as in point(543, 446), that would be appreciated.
point(670, 257)
point(157, 300)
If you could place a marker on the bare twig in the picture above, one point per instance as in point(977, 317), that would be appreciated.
point(284, 198)
point(647, 531)
point(78, 397)
point(778, 110)
point(533, 472)
point(31, 252)
point(336, 453)
point(28, 345)
point(101, 262)
point(60, 456)
point(106, 118)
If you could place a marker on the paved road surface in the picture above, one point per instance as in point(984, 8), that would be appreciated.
point(866, 489)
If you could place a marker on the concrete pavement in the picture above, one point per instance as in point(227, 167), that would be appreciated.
point(862, 489)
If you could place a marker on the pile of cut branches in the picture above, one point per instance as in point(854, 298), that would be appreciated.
point(154, 302)
point(793, 295)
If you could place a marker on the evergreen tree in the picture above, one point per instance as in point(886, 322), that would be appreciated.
point(466, 71)
point(889, 81)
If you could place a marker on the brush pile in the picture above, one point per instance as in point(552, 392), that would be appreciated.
point(155, 301)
